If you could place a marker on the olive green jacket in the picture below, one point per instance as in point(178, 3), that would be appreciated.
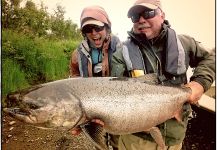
point(197, 57)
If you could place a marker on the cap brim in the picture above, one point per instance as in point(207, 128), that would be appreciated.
point(140, 7)
point(95, 22)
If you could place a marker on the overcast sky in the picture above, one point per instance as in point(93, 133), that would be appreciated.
point(193, 17)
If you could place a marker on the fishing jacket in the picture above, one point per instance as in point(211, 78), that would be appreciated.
point(175, 53)
point(169, 55)
point(81, 62)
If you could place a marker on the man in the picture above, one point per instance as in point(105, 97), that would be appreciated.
point(153, 47)
point(93, 56)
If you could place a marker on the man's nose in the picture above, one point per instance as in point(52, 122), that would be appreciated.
point(142, 19)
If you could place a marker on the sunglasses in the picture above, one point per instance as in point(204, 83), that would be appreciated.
point(89, 28)
point(145, 14)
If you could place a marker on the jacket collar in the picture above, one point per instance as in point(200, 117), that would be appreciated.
point(142, 37)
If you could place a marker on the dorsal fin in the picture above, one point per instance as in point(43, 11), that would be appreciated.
point(147, 78)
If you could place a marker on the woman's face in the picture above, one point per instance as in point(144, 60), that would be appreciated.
point(95, 34)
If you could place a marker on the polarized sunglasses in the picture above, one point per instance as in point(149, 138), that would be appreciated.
point(89, 28)
point(145, 14)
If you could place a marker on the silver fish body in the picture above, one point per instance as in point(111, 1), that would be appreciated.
point(126, 106)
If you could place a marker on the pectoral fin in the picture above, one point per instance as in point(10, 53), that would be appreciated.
point(95, 133)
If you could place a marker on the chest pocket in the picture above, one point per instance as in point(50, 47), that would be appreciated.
point(96, 56)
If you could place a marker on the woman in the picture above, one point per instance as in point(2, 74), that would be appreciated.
point(93, 55)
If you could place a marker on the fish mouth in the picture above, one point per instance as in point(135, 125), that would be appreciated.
point(21, 114)
point(21, 108)
point(25, 116)
point(14, 111)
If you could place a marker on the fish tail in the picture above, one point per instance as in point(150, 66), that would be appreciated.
point(157, 136)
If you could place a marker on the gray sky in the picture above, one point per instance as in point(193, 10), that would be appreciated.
point(192, 17)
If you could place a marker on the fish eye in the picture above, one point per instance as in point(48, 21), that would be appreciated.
point(33, 106)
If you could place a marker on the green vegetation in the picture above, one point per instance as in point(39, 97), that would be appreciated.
point(13, 75)
point(36, 46)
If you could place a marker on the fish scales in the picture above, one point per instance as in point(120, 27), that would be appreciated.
point(124, 105)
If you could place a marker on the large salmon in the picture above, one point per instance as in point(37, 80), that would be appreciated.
point(125, 105)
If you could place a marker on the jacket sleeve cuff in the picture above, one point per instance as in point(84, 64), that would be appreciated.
point(206, 84)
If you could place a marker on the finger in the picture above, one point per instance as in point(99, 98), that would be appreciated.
point(195, 102)
point(98, 121)
point(76, 131)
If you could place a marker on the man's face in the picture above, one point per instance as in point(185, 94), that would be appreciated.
point(95, 34)
point(149, 22)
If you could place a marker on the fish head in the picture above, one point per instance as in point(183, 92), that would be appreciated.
point(47, 107)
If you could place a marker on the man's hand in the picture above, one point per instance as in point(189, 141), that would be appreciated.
point(197, 91)
point(77, 131)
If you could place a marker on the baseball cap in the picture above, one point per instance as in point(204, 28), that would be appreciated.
point(94, 15)
point(92, 21)
point(141, 5)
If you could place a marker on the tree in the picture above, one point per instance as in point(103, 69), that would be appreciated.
point(37, 21)
point(10, 10)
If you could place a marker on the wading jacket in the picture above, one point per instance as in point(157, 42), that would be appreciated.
point(169, 55)
point(81, 62)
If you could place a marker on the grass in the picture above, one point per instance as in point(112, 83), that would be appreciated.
point(27, 61)
point(13, 78)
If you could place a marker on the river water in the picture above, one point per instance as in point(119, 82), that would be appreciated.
point(201, 132)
